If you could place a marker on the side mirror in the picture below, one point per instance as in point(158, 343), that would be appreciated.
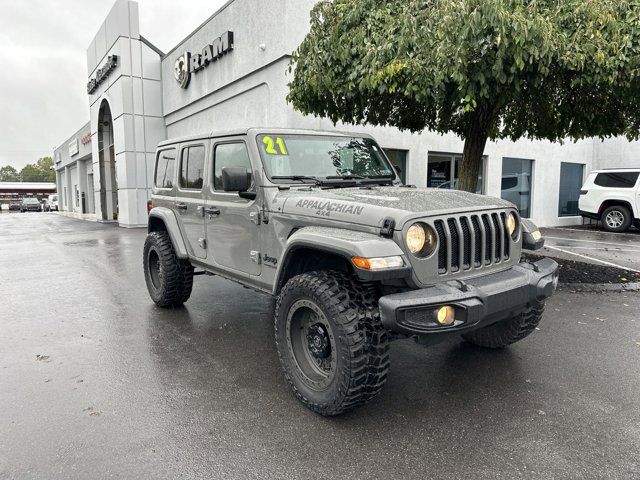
point(531, 237)
point(235, 179)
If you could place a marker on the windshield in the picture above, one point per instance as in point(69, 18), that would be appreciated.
point(30, 200)
point(323, 157)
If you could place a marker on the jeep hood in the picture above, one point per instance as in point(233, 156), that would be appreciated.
point(370, 206)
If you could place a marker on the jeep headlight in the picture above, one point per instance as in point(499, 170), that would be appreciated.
point(512, 225)
point(421, 240)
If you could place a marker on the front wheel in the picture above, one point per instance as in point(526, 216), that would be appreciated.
point(169, 278)
point(332, 346)
point(616, 219)
point(506, 332)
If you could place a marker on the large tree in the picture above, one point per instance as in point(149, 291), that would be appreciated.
point(9, 174)
point(41, 171)
point(483, 69)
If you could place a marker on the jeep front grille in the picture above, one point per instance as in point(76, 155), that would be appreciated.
point(471, 241)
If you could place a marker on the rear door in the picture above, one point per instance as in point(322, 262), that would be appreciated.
point(189, 198)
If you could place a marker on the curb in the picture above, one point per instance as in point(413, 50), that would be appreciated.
point(600, 287)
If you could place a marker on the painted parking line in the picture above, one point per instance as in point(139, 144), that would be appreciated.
point(587, 241)
point(592, 259)
point(605, 249)
point(594, 232)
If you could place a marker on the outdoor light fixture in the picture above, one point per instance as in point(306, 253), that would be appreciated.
point(421, 239)
point(378, 263)
point(445, 315)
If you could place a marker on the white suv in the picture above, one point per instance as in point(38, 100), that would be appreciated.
point(51, 203)
point(612, 196)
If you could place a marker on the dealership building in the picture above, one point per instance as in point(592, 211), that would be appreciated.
point(232, 72)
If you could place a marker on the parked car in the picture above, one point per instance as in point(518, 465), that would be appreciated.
point(355, 259)
point(613, 197)
point(15, 204)
point(30, 204)
point(51, 203)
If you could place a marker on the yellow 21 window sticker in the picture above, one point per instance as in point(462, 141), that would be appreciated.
point(270, 146)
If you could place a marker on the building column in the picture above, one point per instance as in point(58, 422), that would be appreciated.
point(69, 187)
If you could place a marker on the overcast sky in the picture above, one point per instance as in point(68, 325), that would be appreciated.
point(43, 46)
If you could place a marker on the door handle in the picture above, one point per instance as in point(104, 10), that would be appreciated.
point(181, 206)
point(211, 211)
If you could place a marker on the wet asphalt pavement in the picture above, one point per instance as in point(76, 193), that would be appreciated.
point(592, 245)
point(96, 382)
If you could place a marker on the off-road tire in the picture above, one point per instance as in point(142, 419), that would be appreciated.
point(362, 345)
point(621, 211)
point(175, 281)
point(506, 332)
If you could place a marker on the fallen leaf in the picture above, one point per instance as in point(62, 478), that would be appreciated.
point(43, 358)
point(541, 412)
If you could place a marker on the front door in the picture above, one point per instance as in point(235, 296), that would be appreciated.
point(189, 199)
point(231, 221)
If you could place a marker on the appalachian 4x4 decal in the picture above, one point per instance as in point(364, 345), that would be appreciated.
point(324, 208)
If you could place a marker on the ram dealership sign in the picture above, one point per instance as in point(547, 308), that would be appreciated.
point(102, 74)
point(189, 63)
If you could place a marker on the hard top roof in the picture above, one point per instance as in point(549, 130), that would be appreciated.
point(619, 169)
point(258, 131)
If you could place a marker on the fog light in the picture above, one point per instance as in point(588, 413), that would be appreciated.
point(445, 315)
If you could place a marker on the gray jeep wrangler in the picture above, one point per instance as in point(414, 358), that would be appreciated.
point(354, 258)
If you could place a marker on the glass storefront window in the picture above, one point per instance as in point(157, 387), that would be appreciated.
point(444, 167)
point(516, 183)
point(571, 179)
point(398, 159)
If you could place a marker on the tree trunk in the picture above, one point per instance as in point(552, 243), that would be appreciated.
point(475, 140)
point(470, 168)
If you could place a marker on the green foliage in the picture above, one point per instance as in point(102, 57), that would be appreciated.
point(9, 174)
point(543, 69)
point(41, 171)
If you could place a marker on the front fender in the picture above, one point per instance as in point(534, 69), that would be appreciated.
point(348, 244)
point(168, 218)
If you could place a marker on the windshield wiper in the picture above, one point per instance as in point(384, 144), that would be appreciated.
point(345, 177)
point(381, 180)
point(300, 178)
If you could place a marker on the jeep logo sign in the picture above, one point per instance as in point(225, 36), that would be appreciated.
point(189, 63)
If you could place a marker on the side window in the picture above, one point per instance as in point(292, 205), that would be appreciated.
point(165, 168)
point(230, 155)
point(509, 182)
point(192, 167)
point(616, 179)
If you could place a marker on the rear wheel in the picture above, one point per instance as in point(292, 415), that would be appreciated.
point(504, 333)
point(616, 219)
point(332, 346)
point(169, 279)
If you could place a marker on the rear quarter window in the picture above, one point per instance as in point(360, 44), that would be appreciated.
point(616, 179)
point(165, 168)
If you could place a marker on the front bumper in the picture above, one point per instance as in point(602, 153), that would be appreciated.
point(478, 302)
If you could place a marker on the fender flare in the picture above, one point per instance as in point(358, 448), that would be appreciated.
point(168, 217)
point(347, 244)
point(617, 201)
